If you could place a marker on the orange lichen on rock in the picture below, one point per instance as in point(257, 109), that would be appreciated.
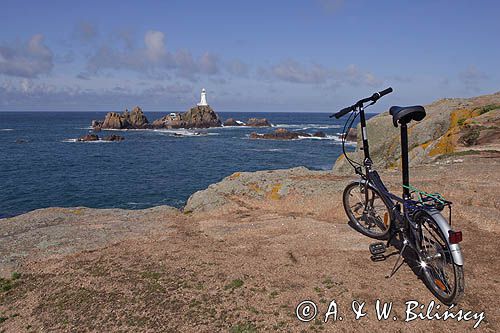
point(235, 175)
point(274, 194)
point(457, 115)
point(255, 187)
point(447, 143)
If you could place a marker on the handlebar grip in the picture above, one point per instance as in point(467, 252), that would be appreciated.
point(376, 96)
point(385, 92)
point(343, 112)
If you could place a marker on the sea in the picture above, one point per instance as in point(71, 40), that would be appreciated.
point(43, 165)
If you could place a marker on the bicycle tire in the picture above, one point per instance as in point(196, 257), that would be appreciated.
point(431, 243)
point(365, 222)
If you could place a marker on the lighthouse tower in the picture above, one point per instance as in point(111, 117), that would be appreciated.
point(203, 98)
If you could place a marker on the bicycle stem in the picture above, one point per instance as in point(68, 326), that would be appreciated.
point(366, 149)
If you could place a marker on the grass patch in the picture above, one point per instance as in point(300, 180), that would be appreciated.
point(273, 294)
point(488, 108)
point(237, 283)
point(2, 319)
point(7, 284)
point(329, 283)
point(244, 328)
point(461, 121)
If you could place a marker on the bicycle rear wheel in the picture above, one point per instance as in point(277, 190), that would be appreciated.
point(372, 218)
point(443, 277)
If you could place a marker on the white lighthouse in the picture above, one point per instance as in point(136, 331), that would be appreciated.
point(203, 98)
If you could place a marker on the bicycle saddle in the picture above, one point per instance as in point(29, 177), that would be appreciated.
point(405, 114)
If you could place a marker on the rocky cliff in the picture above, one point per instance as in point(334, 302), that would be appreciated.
point(201, 117)
point(125, 120)
point(452, 126)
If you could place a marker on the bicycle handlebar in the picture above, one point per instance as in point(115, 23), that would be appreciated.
point(373, 98)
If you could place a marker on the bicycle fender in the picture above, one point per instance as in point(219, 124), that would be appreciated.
point(445, 227)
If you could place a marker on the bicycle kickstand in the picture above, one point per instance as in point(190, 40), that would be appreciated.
point(396, 266)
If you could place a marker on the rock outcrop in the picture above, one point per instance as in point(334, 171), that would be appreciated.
point(89, 137)
point(172, 120)
point(233, 122)
point(126, 120)
point(113, 137)
point(196, 117)
point(201, 117)
point(95, 137)
point(452, 126)
point(258, 122)
point(137, 119)
point(319, 134)
point(97, 125)
point(284, 134)
point(352, 135)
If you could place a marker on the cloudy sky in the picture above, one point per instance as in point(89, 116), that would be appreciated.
point(293, 55)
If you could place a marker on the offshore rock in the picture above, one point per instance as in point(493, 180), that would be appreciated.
point(201, 117)
point(233, 122)
point(89, 137)
point(126, 120)
point(258, 122)
point(113, 137)
point(284, 134)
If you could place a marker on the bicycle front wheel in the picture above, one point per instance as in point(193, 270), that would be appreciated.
point(443, 277)
point(370, 217)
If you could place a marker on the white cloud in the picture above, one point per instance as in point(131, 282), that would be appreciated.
point(26, 60)
point(355, 77)
point(154, 59)
point(155, 45)
point(292, 71)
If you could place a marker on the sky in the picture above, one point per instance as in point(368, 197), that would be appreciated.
point(282, 55)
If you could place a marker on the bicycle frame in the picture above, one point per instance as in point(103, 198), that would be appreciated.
point(401, 224)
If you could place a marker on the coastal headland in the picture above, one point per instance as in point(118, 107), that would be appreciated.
point(241, 254)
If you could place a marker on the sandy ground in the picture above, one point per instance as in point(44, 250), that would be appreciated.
point(243, 266)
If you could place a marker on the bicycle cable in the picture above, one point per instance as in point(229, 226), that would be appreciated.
point(344, 136)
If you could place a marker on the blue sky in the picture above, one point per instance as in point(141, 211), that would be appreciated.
point(315, 55)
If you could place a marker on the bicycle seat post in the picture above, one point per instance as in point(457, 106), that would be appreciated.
point(404, 161)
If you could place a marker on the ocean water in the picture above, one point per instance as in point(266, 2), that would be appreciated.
point(42, 165)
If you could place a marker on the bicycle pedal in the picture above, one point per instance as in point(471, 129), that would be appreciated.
point(378, 257)
point(377, 249)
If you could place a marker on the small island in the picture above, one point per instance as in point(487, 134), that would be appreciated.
point(284, 134)
point(200, 116)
